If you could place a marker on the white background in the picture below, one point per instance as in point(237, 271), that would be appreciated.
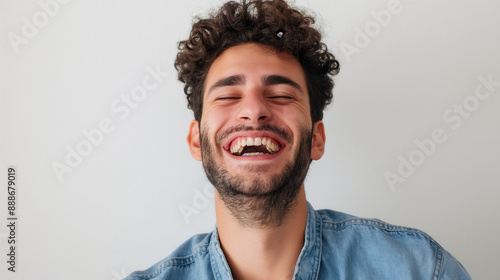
point(119, 209)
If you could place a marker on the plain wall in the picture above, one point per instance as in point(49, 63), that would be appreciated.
point(137, 194)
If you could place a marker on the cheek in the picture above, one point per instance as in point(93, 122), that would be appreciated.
point(297, 118)
point(213, 118)
point(212, 123)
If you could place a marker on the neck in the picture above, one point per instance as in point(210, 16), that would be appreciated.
point(268, 252)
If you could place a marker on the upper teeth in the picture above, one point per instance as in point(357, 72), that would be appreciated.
point(271, 145)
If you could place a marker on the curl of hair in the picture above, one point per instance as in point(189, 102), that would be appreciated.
point(259, 22)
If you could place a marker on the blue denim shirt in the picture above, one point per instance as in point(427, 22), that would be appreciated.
point(337, 246)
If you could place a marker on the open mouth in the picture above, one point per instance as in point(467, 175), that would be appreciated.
point(249, 146)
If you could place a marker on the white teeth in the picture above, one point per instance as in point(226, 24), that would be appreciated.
point(271, 146)
point(249, 141)
point(253, 154)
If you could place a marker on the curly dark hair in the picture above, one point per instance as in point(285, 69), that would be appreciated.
point(259, 22)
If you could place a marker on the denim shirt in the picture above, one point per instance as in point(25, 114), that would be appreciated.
point(337, 246)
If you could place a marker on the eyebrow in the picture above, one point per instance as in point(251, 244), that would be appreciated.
point(233, 80)
point(279, 80)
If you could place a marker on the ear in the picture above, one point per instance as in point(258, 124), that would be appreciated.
point(318, 140)
point(193, 140)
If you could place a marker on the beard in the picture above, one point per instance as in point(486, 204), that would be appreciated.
point(261, 201)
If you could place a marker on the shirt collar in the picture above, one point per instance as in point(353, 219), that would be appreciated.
point(218, 261)
point(309, 260)
point(307, 266)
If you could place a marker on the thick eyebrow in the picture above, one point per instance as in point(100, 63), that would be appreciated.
point(270, 80)
point(278, 80)
point(234, 80)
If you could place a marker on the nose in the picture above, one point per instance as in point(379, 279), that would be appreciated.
point(254, 108)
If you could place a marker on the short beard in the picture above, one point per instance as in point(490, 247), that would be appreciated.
point(259, 206)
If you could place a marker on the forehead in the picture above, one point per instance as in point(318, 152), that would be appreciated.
point(254, 61)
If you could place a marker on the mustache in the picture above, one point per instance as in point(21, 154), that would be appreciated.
point(270, 128)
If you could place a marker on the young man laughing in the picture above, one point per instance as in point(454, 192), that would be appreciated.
point(258, 77)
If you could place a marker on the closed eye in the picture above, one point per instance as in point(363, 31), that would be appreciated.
point(286, 97)
point(227, 98)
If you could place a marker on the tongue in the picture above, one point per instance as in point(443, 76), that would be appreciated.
point(255, 149)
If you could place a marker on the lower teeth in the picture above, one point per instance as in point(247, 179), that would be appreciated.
point(252, 154)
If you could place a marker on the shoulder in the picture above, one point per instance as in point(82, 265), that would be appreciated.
point(338, 221)
point(374, 233)
point(383, 244)
point(192, 252)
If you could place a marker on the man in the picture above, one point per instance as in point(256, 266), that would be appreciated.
point(258, 78)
